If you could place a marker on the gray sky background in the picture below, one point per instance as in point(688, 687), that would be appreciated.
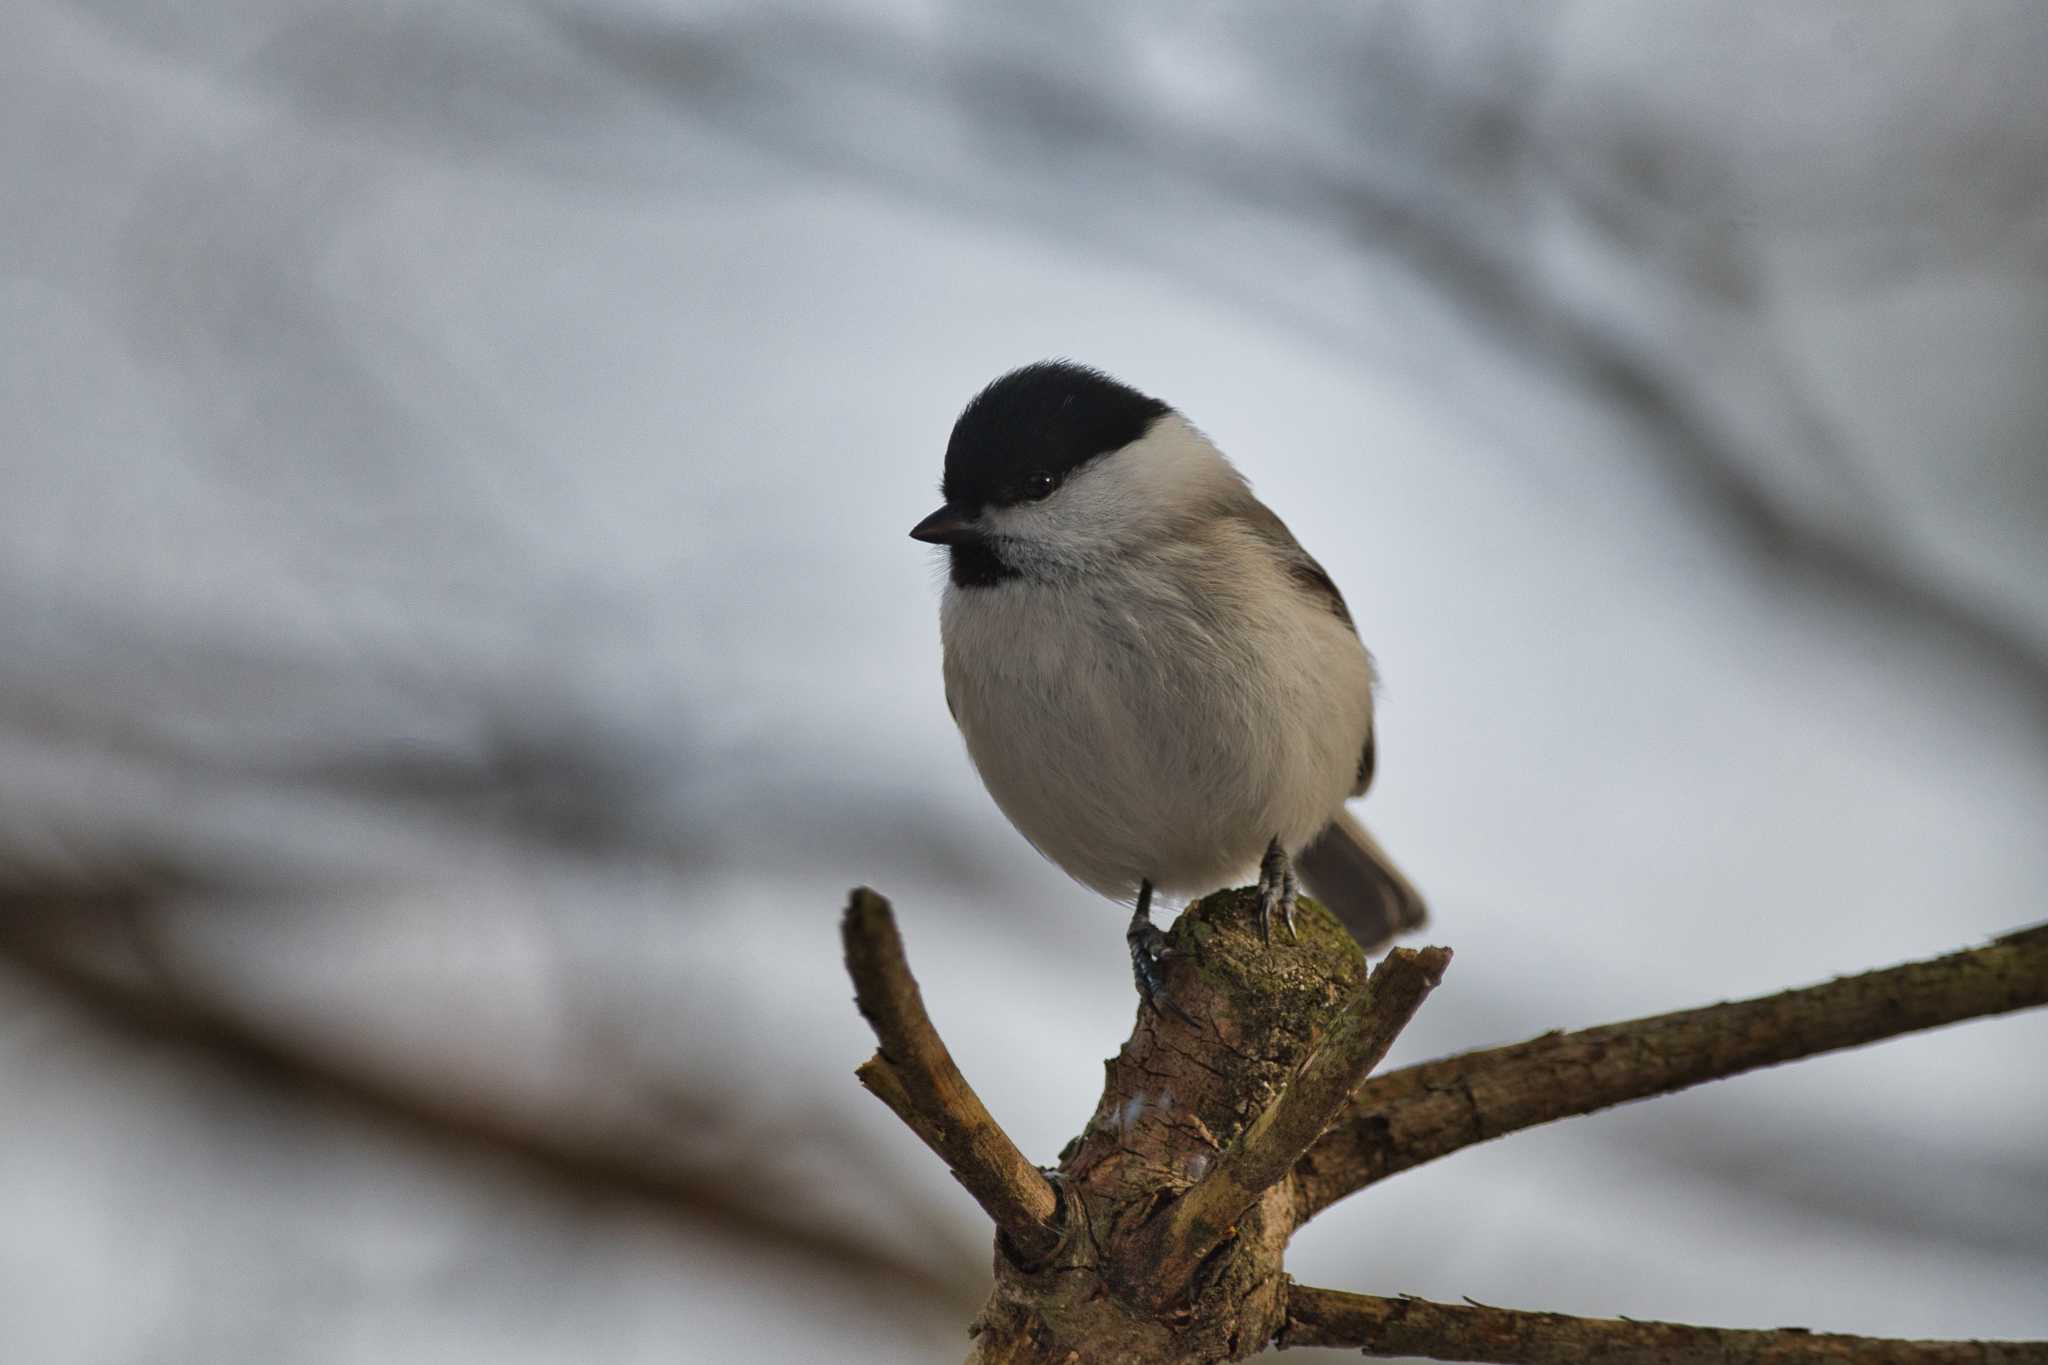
point(460, 641)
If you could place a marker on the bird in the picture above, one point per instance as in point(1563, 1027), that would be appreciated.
point(1159, 687)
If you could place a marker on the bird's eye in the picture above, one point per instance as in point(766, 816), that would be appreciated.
point(1039, 486)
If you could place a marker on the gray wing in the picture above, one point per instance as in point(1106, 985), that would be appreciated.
point(1299, 564)
point(1313, 579)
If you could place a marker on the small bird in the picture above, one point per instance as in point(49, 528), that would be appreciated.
point(1160, 688)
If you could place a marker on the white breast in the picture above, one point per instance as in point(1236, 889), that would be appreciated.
point(1162, 722)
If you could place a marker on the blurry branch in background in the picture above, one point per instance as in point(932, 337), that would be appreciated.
point(1420, 1113)
point(1438, 183)
point(1409, 1326)
point(95, 950)
point(1166, 1239)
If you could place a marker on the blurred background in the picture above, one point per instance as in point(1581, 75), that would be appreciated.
point(458, 640)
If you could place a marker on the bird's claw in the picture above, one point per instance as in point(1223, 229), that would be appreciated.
point(1148, 958)
point(1278, 889)
point(1149, 955)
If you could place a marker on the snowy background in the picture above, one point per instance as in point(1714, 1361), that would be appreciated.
point(458, 640)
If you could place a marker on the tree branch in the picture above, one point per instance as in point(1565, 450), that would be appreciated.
point(1184, 1188)
point(1474, 1332)
point(1200, 1219)
point(1423, 1112)
point(914, 1074)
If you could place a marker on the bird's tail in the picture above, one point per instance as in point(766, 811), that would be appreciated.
point(1346, 869)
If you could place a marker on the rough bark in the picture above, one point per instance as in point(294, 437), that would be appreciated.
point(1161, 1234)
point(915, 1076)
point(1178, 1099)
point(1364, 1029)
point(1419, 1113)
point(1503, 1336)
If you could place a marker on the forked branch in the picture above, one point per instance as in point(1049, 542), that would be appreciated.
point(1201, 1218)
point(1174, 1206)
point(1504, 1336)
point(914, 1074)
point(1419, 1113)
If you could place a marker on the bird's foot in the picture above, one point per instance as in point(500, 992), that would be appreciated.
point(1149, 955)
point(1278, 888)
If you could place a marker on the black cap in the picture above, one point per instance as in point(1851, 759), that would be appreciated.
point(1053, 417)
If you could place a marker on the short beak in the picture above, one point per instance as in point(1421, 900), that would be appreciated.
point(947, 526)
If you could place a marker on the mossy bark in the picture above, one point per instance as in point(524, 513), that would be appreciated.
point(1180, 1091)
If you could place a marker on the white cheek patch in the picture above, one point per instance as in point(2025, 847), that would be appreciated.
point(1106, 504)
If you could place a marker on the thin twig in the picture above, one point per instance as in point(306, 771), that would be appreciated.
point(1201, 1218)
point(915, 1076)
point(1503, 1336)
point(1419, 1113)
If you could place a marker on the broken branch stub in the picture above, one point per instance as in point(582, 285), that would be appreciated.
point(1160, 1236)
point(1085, 1283)
point(1364, 1028)
point(916, 1077)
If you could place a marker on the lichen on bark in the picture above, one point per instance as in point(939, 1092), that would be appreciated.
point(1184, 1086)
point(1160, 1235)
